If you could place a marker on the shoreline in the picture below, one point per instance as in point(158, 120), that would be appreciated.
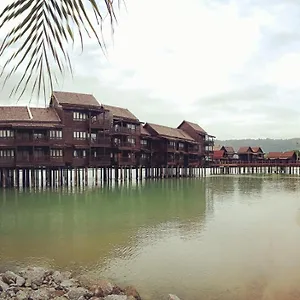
point(37, 283)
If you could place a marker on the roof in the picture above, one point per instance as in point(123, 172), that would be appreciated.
point(217, 147)
point(218, 154)
point(273, 155)
point(144, 131)
point(287, 155)
point(257, 149)
point(121, 112)
point(228, 149)
point(170, 132)
point(15, 114)
point(195, 126)
point(78, 99)
point(244, 150)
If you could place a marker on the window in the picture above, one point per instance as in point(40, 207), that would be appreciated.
point(131, 141)
point(144, 142)
point(56, 134)
point(181, 145)
point(78, 116)
point(80, 135)
point(131, 126)
point(144, 156)
point(6, 134)
point(7, 153)
point(172, 144)
point(79, 153)
point(56, 153)
point(38, 136)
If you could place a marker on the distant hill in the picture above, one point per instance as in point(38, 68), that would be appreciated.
point(268, 145)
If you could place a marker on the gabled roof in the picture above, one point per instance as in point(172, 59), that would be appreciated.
point(273, 155)
point(121, 112)
point(218, 154)
point(25, 114)
point(195, 126)
point(287, 155)
point(144, 131)
point(245, 150)
point(228, 149)
point(257, 150)
point(170, 132)
point(77, 99)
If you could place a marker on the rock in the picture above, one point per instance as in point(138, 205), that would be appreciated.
point(173, 297)
point(36, 275)
point(116, 297)
point(102, 288)
point(130, 298)
point(57, 277)
point(68, 283)
point(76, 293)
point(3, 286)
point(21, 295)
point(57, 293)
point(41, 294)
point(131, 291)
point(20, 281)
point(9, 277)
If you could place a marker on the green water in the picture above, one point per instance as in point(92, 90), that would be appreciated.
point(217, 237)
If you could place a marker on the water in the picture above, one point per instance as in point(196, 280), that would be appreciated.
point(220, 237)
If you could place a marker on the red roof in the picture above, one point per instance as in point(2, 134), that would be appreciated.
point(287, 155)
point(257, 150)
point(228, 149)
point(274, 155)
point(244, 150)
point(195, 126)
point(218, 154)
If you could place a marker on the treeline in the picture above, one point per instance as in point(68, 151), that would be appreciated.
point(268, 145)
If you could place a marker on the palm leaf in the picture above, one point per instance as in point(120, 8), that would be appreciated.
point(43, 35)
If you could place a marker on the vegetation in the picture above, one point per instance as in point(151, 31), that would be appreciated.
point(39, 32)
point(268, 145)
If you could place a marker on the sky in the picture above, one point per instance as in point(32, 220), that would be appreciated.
point(232, 66)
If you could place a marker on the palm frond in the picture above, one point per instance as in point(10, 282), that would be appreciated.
point(43, 34)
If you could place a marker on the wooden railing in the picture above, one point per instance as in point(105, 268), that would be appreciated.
point(263, 162)
point(125, 130)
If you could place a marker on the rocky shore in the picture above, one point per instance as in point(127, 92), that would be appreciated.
point(37, 283)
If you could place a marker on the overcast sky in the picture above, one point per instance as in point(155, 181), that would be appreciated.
point(233, 67)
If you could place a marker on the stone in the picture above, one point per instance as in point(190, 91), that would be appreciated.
point(102, 288)
point(76, 293)
point(41, 294)
point(9, 277)
point(35, 275)
point(3, 286)
point(173, 297)
point(68, 283)
point(131, 291)
point(57, 277)
point(21, 295)
point(20, 281)
point(116, 297)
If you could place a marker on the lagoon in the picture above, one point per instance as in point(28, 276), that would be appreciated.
point(219, 237)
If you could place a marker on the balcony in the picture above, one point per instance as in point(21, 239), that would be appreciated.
point(124, 130)
point(193, 149)
point(31, 140)
point(100, 161)
point(100, 123)
point(171, 148)
point(209, 143)
point(125, 146)
point(145, 147)
point(35, 161)
point(101, 142)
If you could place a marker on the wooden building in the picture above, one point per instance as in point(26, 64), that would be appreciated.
point(229, 152)
point(205, 141)
point(245, 154)
point(172, 147)
point(76, 131)
point(125, 136)
point(258, 153)
point(219, 156)
point(282, 157)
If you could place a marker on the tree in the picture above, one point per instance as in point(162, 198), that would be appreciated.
point(44, 30)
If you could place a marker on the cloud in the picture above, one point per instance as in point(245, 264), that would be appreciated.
point(232, 66)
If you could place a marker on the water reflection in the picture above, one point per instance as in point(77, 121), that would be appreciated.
point(84, 227)
point(220, 237)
